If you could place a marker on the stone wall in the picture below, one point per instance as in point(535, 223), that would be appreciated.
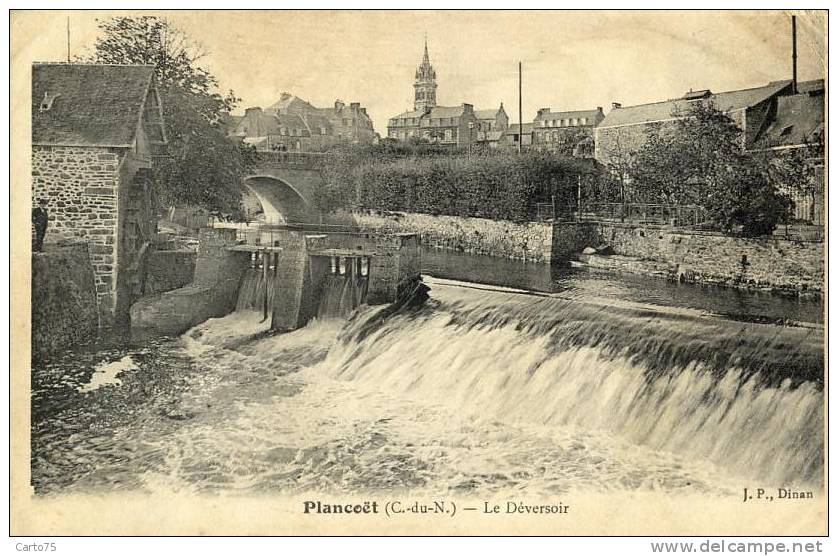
point(169, 270)
point(613, 145)
point(81, 186)
point(791, 266)
point(64, 311)
point(213, 293)
point(500, 238)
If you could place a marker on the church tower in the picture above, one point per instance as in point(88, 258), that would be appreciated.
point(425, 84)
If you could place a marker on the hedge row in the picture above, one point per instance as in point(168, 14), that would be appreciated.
point(503, 186)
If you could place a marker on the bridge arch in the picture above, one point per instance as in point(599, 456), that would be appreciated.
point(281, 201)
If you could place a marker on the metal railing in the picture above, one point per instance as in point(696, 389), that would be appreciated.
point(289, 159)
point(646, 213)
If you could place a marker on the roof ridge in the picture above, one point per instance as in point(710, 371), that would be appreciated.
point(770, 85)
point(92, 64)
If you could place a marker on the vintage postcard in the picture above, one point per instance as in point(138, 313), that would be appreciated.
point(418, 273)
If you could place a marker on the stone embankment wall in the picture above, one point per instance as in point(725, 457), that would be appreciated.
point(784, 265)
point(532, 241)
point(169, 270)
point(64, 311)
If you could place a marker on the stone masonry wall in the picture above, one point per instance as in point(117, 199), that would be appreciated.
point(169, 270)
point(81, 186)
point(63, 299)
point(500, 238)
point(769, 263)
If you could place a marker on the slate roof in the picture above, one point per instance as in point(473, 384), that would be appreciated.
point(260, 124)
point(592, 115)
point(668, 109)
point(435, 112)
point(799, 120)
point(513, 129)
point(290, 104)
point(489, 114)
point(96, 105)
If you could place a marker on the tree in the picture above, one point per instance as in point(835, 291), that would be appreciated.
point(203, 168)
point(793, 171)
point(700, 159)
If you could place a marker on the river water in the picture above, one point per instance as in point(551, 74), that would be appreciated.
point(511, 378)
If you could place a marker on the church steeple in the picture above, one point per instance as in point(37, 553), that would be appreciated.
point(425, 84)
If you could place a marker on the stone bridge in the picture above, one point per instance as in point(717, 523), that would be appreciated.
point(285, 184)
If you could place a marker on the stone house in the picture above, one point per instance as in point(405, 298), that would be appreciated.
point(94, 131)
point(491, 120)
point(567, 132)
point(514, 135)
point(292, 124)
point(624, 129)
point(447, 125)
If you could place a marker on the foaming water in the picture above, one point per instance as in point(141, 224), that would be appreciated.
point(736, 417)
point(478, 392)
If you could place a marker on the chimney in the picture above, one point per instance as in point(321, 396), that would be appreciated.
point(255, 111)
point(543, 111)
point(339, 105)
point(468, 107)
point(355, 106)
point(599, 109)
point(616, 105)
point(364, 111)
point(794, 54)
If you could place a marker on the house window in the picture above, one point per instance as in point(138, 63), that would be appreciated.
point(393, 133)
point(575, 121)
point(584, 121)
point(543, 123)
point(449, 136)
point(283, 131)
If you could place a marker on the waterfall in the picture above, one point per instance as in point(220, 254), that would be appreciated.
point(253, 290)
point(746, 397)
point(340, 294)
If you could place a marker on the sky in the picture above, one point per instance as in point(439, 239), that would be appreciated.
point(571, 60)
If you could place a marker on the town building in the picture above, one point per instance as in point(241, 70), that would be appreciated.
point(448, 125)
point(569, 133)
point(625, 128)
point(292, 124)
point(516, 135)
point(95, 131)
point(781, 115)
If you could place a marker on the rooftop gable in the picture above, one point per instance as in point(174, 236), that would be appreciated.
point(799, 120)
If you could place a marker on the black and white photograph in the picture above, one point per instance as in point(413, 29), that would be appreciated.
point(419, 272)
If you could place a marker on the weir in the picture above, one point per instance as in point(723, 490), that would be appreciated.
point(290, 275)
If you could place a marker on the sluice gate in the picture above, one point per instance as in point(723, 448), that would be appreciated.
point(298, 275)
